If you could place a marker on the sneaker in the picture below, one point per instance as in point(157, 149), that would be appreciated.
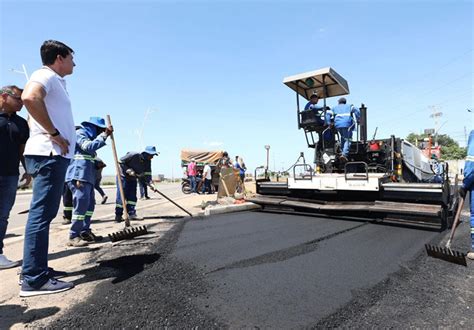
point(51, 272)
point(89, 236)
point(118, 218)
point(134, 217)
point(470, 255)
point(104, 199)
point(66, 221)
point(52, 286)
point(6, 263)
point(77, 242)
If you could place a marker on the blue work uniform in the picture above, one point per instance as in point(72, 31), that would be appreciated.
point(80, 177)
point(468, 181)
point(139, 163)
point(342, 117)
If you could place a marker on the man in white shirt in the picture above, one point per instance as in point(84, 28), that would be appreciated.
point(207, 175)
point(47, 155)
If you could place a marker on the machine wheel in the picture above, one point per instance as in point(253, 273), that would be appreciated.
point(186, 188)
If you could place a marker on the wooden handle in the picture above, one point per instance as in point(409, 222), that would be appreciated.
point(456, 218)
point(119, 177)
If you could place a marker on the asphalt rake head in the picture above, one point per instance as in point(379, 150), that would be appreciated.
point(128, 233)
point(446, 254)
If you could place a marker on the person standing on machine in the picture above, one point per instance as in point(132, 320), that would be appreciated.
point(341, 116)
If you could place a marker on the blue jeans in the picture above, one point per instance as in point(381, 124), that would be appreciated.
point(8, 185)
point(130, 192)
point(83, 200)
point(192, 180)
point(207, 186)
point(48, 182)
point(346, 138)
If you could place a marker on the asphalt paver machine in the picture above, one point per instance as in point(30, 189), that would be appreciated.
point(384, 179)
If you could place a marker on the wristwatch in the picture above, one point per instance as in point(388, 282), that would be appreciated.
point(56, 133)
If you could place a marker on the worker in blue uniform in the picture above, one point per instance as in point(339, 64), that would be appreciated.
point(80, 178)
point(133, 166)
point(319, 120)
point(468, 186)
point(344, 117)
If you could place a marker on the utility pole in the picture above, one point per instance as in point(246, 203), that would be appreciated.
point(436, 114)
point(139, 132)
point(267, 147)
point(465, 136)
point(22, 72)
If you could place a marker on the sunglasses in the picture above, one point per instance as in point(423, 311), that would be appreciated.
point(12, 95)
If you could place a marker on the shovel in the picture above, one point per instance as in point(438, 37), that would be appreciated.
point(445, 253)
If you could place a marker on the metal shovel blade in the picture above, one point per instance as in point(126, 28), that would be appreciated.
point(446, 254)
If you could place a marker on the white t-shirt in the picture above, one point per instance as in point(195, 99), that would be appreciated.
point(59, 110)
point(207, 170)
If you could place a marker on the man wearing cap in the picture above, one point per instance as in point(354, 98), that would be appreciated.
point(319, 118)
point(133, 166)
point(341, 117)
point(80, 178)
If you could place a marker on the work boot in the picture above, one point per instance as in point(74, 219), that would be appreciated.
point(66, 221)
point(6, 263)
point(470, 255)
point(134, 217)
point(104, 199)
point(118, 218)
point(89, 236)
point(77, 242)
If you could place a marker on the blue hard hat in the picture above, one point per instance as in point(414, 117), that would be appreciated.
point(97, 121)
point(151, 150)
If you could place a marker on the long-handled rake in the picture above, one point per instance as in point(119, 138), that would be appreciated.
point(128, 232)
point(169, 199)
point(445, 253)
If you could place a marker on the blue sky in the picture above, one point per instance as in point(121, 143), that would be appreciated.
point(211, 71)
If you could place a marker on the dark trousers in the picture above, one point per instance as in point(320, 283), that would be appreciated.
point(143, 189)
point(130, 192)
point(98, 188)
point(67, 202)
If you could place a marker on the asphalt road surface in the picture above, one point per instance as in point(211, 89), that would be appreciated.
point(258, 269)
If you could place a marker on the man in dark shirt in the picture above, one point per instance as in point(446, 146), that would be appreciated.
point(133, 166)
point(14, 132)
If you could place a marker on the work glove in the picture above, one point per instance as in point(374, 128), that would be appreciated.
point(462, 192)
point(130, 172)
point(109, 130)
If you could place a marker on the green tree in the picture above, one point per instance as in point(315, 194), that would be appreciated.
point(450, 149)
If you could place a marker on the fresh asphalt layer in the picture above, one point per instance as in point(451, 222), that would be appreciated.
point(255, 269)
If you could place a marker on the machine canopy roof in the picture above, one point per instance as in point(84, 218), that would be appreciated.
point(307, 83)
point(201, 156)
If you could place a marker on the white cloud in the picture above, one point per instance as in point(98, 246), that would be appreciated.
point(214, 143)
